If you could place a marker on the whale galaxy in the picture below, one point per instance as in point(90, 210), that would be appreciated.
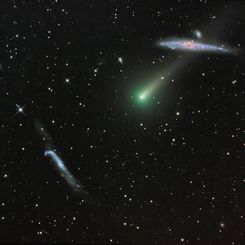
point(191, 45)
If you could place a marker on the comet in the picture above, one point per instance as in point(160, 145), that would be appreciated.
point(147, 92)
point(191, 45)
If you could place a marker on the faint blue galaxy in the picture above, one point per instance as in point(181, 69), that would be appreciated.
point(60, 165)
point(70, 179)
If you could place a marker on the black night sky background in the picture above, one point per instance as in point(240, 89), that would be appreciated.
point(168, 170)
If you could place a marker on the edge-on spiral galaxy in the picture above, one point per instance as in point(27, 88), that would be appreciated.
point(64, 172)
point(193, 46)
point(59, 163)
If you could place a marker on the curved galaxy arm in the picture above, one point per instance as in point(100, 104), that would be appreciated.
point(70, 179)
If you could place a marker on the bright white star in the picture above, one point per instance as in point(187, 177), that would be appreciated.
point(20, 109)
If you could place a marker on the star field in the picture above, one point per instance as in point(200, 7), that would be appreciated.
point(154, 137)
